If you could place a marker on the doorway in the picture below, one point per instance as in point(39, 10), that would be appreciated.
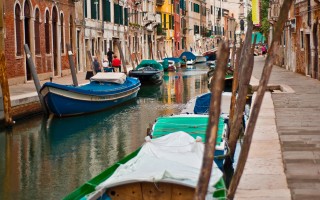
point(308, 60)
point(27, 30)
point(315, 42)
point(55, 40)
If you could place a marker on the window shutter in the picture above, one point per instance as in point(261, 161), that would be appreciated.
point(126, 16)
point(106, 11)
point(116, 14)
point(121, 14)
point(85, 9)
point(93, 10)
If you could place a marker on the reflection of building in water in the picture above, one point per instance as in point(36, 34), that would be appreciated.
point(178, 86)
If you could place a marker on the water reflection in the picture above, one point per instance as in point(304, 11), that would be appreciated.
point(47, 159)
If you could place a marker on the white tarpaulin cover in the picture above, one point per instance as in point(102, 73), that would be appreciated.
point(119, 78)
point(174, 158)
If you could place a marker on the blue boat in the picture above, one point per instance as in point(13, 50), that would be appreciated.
point(105, 90)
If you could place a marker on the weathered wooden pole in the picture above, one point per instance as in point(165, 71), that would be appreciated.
point(233, 54)
point(3, 76)
point(123, 61)
point(89, 56)
point(212, 128)
point(235, 83)
point(245, 75)
point(130, 57)
point(5, 92)
point(72, 66)
point(35, 77)
point(283, 16)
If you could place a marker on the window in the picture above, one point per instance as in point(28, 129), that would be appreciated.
point(37, 31)
point(62, 33)
point(178, 9)
point(95, 9)
point(301, 40)
point(121, 14)
point(106, 10)
point(116, 8)
point(126, 16)
point(196, 29)
point(46, 30)
point(85, 9)
point(92, 47)
point(164, 21)
point(196, 8)
point(105, 47)
point(71, 33)
point(18, 30)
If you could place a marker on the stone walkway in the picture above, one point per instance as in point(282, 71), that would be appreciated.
point(297, 118)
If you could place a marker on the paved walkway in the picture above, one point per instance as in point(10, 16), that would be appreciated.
point(297, 117)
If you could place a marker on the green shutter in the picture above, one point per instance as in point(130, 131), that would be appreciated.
point(106, 11)
point(121, 14)
point(170, 22)
point(85, 9)
point(164, 21)
point(93, 10)
point(116, 14)
point(126, 16)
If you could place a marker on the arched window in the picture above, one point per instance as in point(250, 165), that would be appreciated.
point(71, 33)
point(62, 33)
point(18, 30)
point(46, 30)
point(37, 31)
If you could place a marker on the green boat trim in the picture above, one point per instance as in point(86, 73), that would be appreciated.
point(166, 125)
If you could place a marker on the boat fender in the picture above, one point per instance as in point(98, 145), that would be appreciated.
point(198, 139)
point(147, 139)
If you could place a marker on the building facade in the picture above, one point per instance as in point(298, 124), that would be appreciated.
point(299, 50)
point(46, 27)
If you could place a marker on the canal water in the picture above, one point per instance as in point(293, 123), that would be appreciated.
point(48, 159)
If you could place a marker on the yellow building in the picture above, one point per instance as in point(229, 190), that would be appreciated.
point(165, 31)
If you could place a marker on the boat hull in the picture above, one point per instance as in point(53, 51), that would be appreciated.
point(62, 102)
point(147, 77)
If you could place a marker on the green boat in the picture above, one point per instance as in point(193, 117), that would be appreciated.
point(160, 169)
point(196, 126)
point(148, 72)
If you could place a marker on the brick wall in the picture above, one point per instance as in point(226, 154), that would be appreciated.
point(16, 64)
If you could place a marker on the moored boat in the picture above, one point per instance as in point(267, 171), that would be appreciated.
point(104, 90)
point(148, 72)
point(195, 125)
point(160, 169)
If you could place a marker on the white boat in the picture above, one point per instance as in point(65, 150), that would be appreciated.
point(160, 169)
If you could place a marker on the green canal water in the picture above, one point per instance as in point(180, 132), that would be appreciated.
point(47, 159)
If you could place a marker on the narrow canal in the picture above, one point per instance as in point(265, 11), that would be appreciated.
point(47, 159)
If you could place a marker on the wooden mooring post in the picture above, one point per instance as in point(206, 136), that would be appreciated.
point(212, 128)
point(3, 76)
point(283, 16)
point(72, 66)
point(245, 72)
point(35, 77)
